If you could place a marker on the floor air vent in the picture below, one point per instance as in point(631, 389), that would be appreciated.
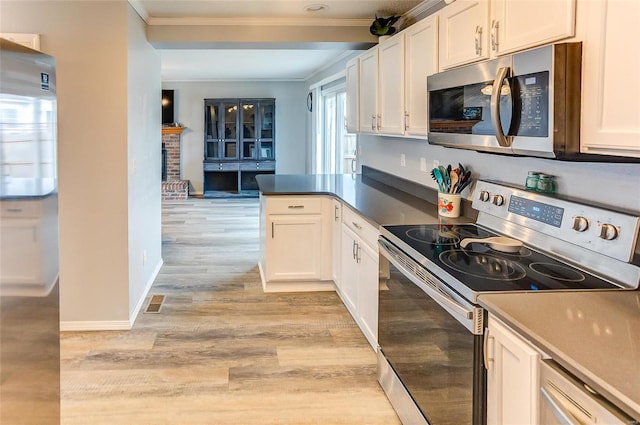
point(155, 304)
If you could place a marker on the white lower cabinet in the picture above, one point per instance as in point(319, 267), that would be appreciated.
point(368, 287)
point(336, 248)
point(29, 246)
point(292, 247)
point(512, 376)
point(314, 243)
point(359, 277)
point(296, 243)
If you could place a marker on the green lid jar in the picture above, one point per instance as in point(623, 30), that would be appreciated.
point(546, 183)
point(532, 180)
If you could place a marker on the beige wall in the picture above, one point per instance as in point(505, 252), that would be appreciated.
point(90, 43)
point(145, 135)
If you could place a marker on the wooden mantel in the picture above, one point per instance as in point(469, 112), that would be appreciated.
point(173, 130)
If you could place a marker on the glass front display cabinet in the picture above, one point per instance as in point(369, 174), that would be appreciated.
point(239, 144)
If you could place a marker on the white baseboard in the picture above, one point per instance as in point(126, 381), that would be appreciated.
point(113, 325)
point(95, 325)
point(295, 285)
point(133, 316)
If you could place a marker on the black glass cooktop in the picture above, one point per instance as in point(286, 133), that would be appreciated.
point(483, 269)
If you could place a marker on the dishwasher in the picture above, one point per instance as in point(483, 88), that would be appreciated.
point(564, 400)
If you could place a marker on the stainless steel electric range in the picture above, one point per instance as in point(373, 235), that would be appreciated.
point(430, 329)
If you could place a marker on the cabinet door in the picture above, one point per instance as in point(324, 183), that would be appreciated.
point(512, 377)
point(610, 84)
point(421, 60)
point(336, 245)
point(266, 129)
point(21, 251)
point(349, 270)
point(293, 245)
point(221, 129)
point(368, 118)
point(212, 139)
point(353, 69)
point(368, 286)
point(521, 24)
point(462, 33)
point(391, 86)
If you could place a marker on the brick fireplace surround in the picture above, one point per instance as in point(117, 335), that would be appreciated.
point(173, 188)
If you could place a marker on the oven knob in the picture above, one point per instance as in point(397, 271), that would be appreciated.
point(580, 224)
point(484, 196)
point(608, 232)
point(498, 200)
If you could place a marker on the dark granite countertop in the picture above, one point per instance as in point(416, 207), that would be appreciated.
point(595, 335)
point(377, 202)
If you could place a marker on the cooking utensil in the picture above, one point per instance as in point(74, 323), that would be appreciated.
point(499, 243)
point(462, 170)
point(437, 176)
point(454, 181)
point(445, 178)
point(464, 181)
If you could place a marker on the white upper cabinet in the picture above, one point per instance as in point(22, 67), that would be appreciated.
point(610, 122)
point(472, 30)
point(463, 32)
point(391, 110)
point(368, 99)
point(521, 24)
point(420, 60)
point(353, 95)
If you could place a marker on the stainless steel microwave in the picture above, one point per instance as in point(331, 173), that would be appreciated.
point(534, 112)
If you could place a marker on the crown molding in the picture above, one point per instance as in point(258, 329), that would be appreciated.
point(424, 9)
point(254, 21)
point(140, 10)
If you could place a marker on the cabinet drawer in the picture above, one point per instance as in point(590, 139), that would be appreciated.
point(20, 209)
point(365, 230)
point(220, 166)
point(294, 205)
point(258, 165)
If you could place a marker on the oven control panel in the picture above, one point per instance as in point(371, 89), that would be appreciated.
point(607, 232)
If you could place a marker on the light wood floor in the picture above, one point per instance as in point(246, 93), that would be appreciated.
point(221, 351)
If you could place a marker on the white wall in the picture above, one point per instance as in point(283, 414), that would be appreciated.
point(145, 153)
point(291, 111)
point(90, 43)
point(616, 185)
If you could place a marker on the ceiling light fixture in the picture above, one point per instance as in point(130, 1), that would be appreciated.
point(316, 7)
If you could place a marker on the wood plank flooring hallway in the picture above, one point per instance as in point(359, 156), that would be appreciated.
point(221, 351)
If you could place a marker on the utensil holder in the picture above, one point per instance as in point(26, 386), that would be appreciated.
point(448, 204)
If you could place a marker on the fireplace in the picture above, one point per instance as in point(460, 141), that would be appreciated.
point(173, 187)
point(164, 163)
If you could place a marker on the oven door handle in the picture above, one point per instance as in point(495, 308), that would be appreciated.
point(560, 414)
point(439, 295)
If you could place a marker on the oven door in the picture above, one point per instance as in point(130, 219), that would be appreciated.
point(431, 338)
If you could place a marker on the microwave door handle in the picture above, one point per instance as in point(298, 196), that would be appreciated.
point(503, 140)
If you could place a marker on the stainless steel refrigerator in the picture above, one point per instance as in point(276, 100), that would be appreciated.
point(29, 301)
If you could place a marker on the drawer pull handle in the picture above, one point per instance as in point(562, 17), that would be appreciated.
point(295, 207)
point(14, 210)
point(356, 225)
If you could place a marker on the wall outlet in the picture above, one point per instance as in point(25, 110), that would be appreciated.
point(423, 164)
point(435, 163)
point(403, 160)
